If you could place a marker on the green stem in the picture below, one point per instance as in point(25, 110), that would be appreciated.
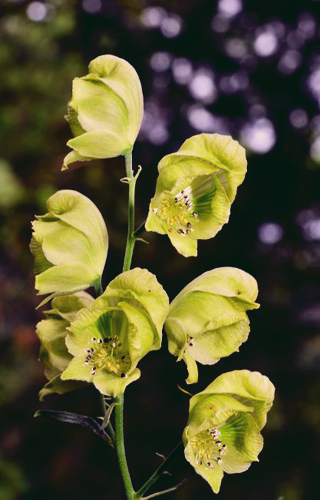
point(159, 472)
point(131, 179)
point(119, 444)
point(163, 492)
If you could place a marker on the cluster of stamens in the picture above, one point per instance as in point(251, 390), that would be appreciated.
point(106, 353)
point(178, 211)
point(209, 445)
point(190, 341)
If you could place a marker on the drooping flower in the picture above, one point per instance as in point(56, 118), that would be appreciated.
point(69, 245)
point(207, 320)
point(52, 333)
point(195, 189)
point(225, 420)
point(106, 110)
point(108, 339)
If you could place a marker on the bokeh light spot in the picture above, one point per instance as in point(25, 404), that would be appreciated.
point(160, 61)
point(266, 44)
point(298, 118)
point(229, 8)
point(182, 70)
point(152, 17)
point(259, 136)
point(92, 6)
point(202, 86)
point(171, 26)
point(37, 11)
point(270, 233)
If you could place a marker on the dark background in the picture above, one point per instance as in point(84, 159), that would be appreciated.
point(250, 69)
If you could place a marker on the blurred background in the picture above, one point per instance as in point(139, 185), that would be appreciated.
point(240, 67)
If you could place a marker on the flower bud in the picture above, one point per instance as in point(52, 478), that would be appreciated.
point(52, 333)
point(195, 189)
point(207, 320)
point(225, 420)
point(108, 339)
point(69, 245)
point(105, 111)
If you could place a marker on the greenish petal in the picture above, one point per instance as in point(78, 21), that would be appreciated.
point(191, 367)
point(251, 388)
point(68, 306)
point(143, 286)
point(41, 263)
point(63, 279)
point(111, 384)
point(58, 386)
point(185, 245)
point(228, 282)
point(122, 78)
point(53, 350)
point(77, 370)
point(213, 475)
point(72, 157)
point(224, 153)
point(100, 144)
point(244, 443)
point(72, 119)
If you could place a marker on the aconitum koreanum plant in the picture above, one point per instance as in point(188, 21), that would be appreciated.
point(100, 340)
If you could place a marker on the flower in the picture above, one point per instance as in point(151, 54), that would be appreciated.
point(52, 333)
point(69, 245)
point(106, 110)
point(109, 338)
point(195, 189)
point(225, 420)
point(207, 320)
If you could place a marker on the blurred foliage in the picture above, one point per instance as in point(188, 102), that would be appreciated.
point(253, 73)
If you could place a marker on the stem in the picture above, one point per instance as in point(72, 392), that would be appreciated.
point(119, 444)
point(109, 426)
point(163, 492)
point(131, 179)
point(159, 472)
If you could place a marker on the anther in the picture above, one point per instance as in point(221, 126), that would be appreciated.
point(180, 231)
point(195, 215)
point(99, 341)
point(123, 375)
point(88, 350)
point(188, 224)
point(218, 443)
point(219, 460)
point(93, 339)
point(155, 210)
point(93, 370)
point(208, 464)
point(221, 451)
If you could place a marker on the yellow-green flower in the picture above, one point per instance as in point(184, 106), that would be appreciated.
point(69, 245)
point(52, 333)
point(109, 338)
point(207, 320)
point(105, 111)
point(195, 189)
point(225, 420)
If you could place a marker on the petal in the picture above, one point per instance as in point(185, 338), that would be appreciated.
point(72, 157)
point(58, 386)
point(68, 306)
point(53, 351)
point(224, 153)
point(191, 367)
point(212, 475)
point(184, 244)
point(77, 370)
point(251, 388)
point(63, 279)
point(228, 282)
point(107, 113)
point(100, 144)
point(147, 291)
point(81, 213)
point(41, 263)
point(211, 346)
point(244, 443)
point(122, 78)
point(111, 384)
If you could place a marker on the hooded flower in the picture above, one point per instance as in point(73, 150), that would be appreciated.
point(195, 189)
point(105, 111)
point(225, 420)
point(108, 339)
point(69, 245)
point(52, 333)
point(207, 320)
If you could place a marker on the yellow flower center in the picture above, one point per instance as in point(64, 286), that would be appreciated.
point(208, 448)
point(107, 353)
